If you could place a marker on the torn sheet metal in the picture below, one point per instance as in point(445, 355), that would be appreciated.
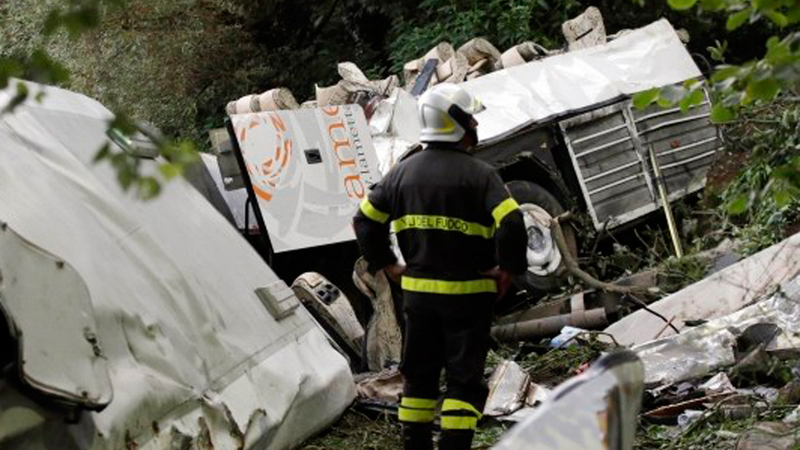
point(596, 410)
point(508, 389)
point(536, 395)
point(652, 56)
point(723, 293)
point(309, 170)
point(395, 129)
point(193, 355)
point(700, 350)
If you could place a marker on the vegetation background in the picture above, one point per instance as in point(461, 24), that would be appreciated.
point(176, 63)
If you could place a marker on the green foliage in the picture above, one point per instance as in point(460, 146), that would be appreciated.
point(32, 60)
point(762, 204)
point(503, 22)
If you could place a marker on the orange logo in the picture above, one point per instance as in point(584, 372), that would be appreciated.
point(265, 175)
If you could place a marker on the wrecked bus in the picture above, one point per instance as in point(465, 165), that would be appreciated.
point(561, 130)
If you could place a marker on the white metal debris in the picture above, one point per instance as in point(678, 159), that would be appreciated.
point(723, 293)
point(645, 58)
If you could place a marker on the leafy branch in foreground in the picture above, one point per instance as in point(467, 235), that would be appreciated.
point(133, 142)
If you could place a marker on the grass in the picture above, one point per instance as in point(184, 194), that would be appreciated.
point(357, 431)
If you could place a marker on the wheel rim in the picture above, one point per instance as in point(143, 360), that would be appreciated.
point(542, 253)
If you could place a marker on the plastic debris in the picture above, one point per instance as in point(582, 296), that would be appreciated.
point(689, 416)
point(566, 338)
point(718, 384)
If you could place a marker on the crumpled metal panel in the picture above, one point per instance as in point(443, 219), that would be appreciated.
point(193, 355)
point(52, 318)
point(596, 410)
point(648, 57)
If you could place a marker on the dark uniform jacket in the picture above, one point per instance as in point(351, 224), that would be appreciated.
point(453, 218)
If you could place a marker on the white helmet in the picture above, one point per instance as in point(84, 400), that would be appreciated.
point(446, 111)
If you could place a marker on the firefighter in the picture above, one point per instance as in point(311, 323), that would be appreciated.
point(462, 237)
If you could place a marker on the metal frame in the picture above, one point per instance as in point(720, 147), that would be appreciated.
point(636, 136)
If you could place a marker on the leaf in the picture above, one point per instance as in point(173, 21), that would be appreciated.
point(782, 196)
point(148, 188)
point(170, 170)
point(724, 72)
point(644, 99)
point(738, 205)
point(793, 15)
point(765, 89)
point(712, 5)
point(694, 98)
point(104, 152)
point(737, 19)
point(778, 18)
point(681, 4)
point(721, 114)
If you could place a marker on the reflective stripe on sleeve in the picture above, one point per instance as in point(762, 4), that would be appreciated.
point(372, 212)
point(501, 211)
point(429, 286)
point(427, 222)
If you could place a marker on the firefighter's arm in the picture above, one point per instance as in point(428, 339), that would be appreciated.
point(371, 224)
point(510, 236)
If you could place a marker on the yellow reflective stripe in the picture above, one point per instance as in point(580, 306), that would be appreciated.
point(372, 212)
point(459, 423)
point(427, 222)
point(502, 210)
point(420, 403)
point(451, 404)
point(415, 415)
point(448, 287)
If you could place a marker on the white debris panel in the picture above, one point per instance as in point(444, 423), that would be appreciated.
point(194, 356)
point(645, 58)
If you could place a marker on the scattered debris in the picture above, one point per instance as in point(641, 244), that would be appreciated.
point(769, 436)
point(383, 341)
point(271, 100)
point(602, 403)
point(385, 386)
point(723, 293)
point(699, 350)
point(586, 30)
point(508, 389)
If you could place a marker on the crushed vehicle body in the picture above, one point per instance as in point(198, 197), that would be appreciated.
point(560, 128)
point(140, 324)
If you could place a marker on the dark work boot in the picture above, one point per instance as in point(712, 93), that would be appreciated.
point(456, 439)
point(418, 436)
